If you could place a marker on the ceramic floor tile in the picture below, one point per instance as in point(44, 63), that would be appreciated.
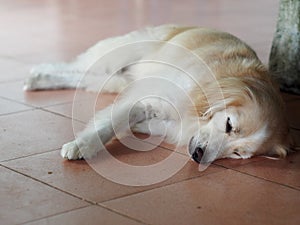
point(233, 163)
point(83, 110)
point(38, 36)
point(23, 199)
point(157, 141)
point(7, 106)
point(92, 215)
point(227, 197)
point(12, 70)
point(283, 171)
point(62, 22)
point(33, 131)
point(78, 178)
point(14, 90)
point(54, 31)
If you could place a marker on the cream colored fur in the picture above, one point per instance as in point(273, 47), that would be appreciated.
point(234, 108)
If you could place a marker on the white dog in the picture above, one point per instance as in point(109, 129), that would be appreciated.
point(197, 87)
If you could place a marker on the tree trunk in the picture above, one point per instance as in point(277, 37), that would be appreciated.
point(285, 53)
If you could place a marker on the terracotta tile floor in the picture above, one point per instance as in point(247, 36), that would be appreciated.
point(39, 187)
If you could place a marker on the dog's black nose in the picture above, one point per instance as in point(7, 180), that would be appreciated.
point(197, 155)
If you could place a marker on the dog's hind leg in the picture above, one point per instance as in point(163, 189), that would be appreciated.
point(70, 76)
point(52, 76)
point(109, 56)
point(84, 72)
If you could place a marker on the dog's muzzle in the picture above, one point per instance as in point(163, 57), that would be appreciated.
point(195, 150)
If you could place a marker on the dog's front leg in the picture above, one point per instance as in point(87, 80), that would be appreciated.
point(117, 118)
point(88, 142)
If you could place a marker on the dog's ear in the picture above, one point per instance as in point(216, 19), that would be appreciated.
point(288, 145)
point(278, 151)
point(218, 95)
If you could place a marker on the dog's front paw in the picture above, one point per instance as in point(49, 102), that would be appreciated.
point(78, 150)
point(71, 151)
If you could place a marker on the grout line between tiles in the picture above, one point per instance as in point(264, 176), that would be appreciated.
point(120, 213)
point(260, 178)
point(49, 185)
point(171, 150)
point(56, 214)
point(265, 179)
point(90, 202)
point(83, 207)
point(55, 104)
point(59, 114)
point(26, 156)
point(20, 102)
point(163, 147)
point(97, 205)
point(42, 108)
point(61, 103)
point(158, 187)
point(230, 167)
point(168, 149)
point(35, 106)
point(15, 101)
point(16, 112)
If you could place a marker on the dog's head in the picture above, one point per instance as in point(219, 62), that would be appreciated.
point(241, 117)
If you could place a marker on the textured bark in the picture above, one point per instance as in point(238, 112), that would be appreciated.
point(285, 52)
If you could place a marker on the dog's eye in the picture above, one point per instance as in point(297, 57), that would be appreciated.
point(228, 126)
point(236, 153)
